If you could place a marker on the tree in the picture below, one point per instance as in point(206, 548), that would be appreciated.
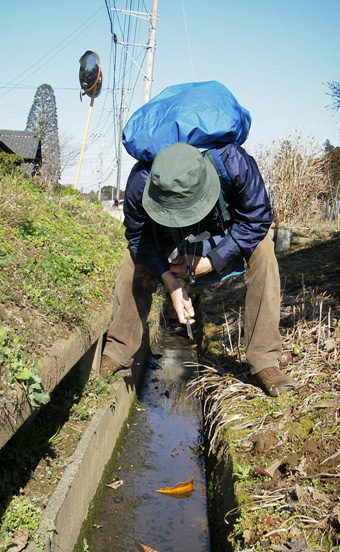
point(43, 119)
point(335, 94)
point(69, 151)
point(108, 192)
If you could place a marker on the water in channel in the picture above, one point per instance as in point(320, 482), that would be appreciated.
point(162, 447)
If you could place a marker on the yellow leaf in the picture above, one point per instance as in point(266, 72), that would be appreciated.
point(180, 488)
point(146, 548)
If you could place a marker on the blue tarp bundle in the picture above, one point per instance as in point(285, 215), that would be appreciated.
point(202, 114)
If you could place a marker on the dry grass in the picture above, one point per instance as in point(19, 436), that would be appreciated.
point(294, 170)
point(285, 451)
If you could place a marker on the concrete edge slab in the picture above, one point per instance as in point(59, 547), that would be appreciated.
point(55, 364)
point(68, 506)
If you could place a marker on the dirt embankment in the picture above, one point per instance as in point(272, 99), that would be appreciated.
point(284, 453)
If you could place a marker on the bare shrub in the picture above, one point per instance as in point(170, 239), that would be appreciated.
point(293, 170)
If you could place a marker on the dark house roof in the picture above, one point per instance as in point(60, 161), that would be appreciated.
point(25, 143)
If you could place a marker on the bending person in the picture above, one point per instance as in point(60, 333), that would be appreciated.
point(220, 197)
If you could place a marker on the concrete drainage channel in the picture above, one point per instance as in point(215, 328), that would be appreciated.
point(168, 430)
point(161, 448)
point(68, 506)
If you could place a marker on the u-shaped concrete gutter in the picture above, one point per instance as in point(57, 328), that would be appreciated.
point(68, 506)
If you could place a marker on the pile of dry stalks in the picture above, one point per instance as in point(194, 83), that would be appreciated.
point(295, 171)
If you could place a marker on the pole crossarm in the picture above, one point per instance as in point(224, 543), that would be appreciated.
point(141, 15)
point(150, 46)
point(131, 44)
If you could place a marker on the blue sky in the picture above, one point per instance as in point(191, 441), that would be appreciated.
point(276, 56)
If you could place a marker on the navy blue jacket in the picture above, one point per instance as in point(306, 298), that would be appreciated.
point(249, 209)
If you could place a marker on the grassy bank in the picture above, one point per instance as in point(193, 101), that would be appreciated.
point(59, 256)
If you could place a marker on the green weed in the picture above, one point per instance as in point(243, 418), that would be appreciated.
point(59, 255)
point(243, 472)
point(20, 514)
point(25, 373)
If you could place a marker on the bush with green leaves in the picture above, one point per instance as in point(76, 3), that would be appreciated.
point(9, 162)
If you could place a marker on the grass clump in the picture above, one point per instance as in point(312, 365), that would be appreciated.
point(17, 369)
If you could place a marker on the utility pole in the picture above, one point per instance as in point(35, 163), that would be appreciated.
point(120, 146)
point(148, 73)
point(150, 52)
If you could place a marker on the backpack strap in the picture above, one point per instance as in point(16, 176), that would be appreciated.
point(225, 181)
point(215, 159)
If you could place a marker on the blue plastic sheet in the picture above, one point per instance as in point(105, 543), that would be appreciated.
point(203, 114)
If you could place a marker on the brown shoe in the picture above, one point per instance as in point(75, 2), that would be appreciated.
point(108, 366)
point(273, 381)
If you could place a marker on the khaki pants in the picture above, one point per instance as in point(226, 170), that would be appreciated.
point(262, 308)
point(136, 284)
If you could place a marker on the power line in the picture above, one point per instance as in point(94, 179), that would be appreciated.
point(34, 87)
point(52, 53)
point(109, 14)
point(188, 41)
point(124, 78)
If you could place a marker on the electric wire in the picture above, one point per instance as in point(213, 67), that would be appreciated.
point(109, 14)
point(188, 41)
point(55, 51)
point(34, 87)
point(123, 77)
